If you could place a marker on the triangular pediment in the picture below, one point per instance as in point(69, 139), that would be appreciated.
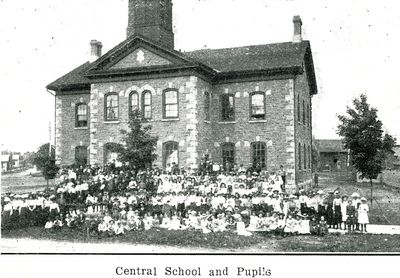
point(135, 54)
point(141, 57)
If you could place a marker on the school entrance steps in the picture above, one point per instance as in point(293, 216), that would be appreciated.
point(375, 229)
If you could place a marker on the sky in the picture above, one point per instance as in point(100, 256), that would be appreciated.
point(354, 42)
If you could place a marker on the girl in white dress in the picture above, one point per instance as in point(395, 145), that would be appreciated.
point(363, 218)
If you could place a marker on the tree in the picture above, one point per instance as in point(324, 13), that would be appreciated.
point(139, 146)
point(46, 162)
point(363, 135)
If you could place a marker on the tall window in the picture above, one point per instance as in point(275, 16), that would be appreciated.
point(133, 101)
point(309, 157)
point(207, 105)
point(81, 118)
point(300, 161)
point(228, 156)
point(304, 113)
point(146, 104)
point(257, 106)
point(298, 109)
point(170, 154)
point(309, 114)
point(81, 155)
point(259, 154)
point(111, 107)
point(227, 107)
point(305, 156)
point(170, 104)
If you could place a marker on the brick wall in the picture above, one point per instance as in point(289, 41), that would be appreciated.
point(182, 130)
point(68, 137)
point(303, 132)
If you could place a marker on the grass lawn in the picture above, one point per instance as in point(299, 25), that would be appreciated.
point(385, 210)
point(23, 183)
point(227, 241)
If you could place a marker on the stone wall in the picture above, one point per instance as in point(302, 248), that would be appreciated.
point(182, 130)
point(68, 137)
point(303, 131)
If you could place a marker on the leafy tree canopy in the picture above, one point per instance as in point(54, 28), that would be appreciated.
point(139, 145)
point(46, 161)
point(363, 135)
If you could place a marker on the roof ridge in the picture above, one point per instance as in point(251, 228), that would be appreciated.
point(245, 46)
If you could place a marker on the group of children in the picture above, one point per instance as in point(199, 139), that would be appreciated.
point(119, 200)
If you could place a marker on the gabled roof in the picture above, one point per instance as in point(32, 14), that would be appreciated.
point(285, 57)
point(256, 57)
point(330, 146)
point(73, 79)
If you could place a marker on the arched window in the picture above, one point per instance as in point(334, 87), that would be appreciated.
point(111, 107)
point(259, 155)
point(257, 106)
point(81, 115)
point(170, 104)
point(170, 154)
point(227, 107)
point(133, 101)
point(207, 106)
point(228, 156)
point(304, 112)
point(300, 161)
point(81, 155)
point(146, 104)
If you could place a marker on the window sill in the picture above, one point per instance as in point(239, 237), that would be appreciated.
point(170, 120)
point(81, 128)
point(257, 121)
point(111, 122)
point(227, 122)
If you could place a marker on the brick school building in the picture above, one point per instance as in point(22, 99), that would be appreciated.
point(243, 105)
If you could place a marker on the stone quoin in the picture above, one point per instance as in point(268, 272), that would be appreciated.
point(242, 105)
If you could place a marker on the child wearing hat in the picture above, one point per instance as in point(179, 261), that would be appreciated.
point(343, 208)
point(363, 211)
point(351, 215)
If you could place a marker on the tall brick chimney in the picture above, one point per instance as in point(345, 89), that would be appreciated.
point(151, 19)
point(297, 24)
point(95, 50)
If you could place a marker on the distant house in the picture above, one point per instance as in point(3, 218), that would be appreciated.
point(15, 160)
point(333, 156)
point(393, 161)
point(5, 162)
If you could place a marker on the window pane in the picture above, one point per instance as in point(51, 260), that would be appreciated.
point(134, 102)
point(258, 106)
point(171, 111)
point(112, 108)
point(171, 97)
point(81, 115)
point(147, 99)
point(207, 105)
point(228, 156)
point(171, 153)
point(259, 155)
point(228, 110)
point(147, 105)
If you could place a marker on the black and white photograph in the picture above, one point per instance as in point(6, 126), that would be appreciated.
point(200, 127)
